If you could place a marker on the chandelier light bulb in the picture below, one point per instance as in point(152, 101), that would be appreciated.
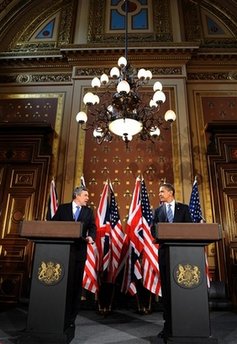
point(155, 131)
point(110, 108)
point(141, 74)
point(153, 103)
point(114, 72)
point(95, 82)
point(98, 132)
point(159, 97)
point(88, 98)
point(104, 79)
point(96, 99)
point(170, 116)
point(81, 117)
point(157, 86)
point(148, 75)
point(122, 62)
point(123, 86)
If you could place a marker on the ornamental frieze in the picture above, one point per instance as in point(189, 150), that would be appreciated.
point(35, 78)
point(155, 71)
point(209, 76)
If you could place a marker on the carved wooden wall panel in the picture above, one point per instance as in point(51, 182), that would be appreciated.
point(29, 108)
point(24, 164)
point(222, 161)
point(219, 107)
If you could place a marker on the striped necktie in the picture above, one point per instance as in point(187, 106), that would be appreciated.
point(77, 213)
point(170, 213)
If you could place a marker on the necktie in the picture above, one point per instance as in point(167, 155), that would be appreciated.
point(170, 213)
point(77, 212)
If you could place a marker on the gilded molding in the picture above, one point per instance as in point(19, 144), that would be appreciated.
point(193, 23)
point(35, 78)
point(21, 41)
point(88, 72)
point(209, 76)
point(4, 4)
point(222, 13)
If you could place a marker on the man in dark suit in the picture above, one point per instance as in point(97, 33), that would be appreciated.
point(77, 210)
point(168, 211)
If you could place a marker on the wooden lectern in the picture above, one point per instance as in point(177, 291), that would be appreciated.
point(52, 279)
point(184, 244)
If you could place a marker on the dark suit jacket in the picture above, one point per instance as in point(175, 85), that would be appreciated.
point(64, 213)
point(181, 213)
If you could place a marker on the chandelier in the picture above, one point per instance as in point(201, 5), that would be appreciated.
point(117, 107)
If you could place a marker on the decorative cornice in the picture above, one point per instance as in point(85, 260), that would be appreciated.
point(211, 76)
point(85, 55)
point(36, 78)
point(90, 72)
point(43, 55)
point(73, 50)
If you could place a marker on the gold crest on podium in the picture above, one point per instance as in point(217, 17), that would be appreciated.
point(188, 276)
point(50, 273)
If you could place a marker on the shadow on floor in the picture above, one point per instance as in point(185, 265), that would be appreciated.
point(123, 326)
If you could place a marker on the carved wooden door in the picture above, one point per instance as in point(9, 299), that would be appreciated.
point(24, 167)
point(222, 160)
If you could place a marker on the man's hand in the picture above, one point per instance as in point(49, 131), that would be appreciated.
point(89, 240)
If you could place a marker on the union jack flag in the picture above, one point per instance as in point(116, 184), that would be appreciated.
point(133, 243)
point(102, 234)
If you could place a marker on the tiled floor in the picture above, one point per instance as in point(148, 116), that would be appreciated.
point(121, 326)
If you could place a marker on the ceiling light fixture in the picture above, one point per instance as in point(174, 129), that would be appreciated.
point(124, 112)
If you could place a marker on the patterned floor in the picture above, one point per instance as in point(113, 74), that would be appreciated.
point(121, 327)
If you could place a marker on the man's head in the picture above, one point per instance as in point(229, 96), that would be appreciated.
point(80, 195)
point(166, 192)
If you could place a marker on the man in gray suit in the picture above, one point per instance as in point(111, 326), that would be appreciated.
point(168, 211)
point(77, 210)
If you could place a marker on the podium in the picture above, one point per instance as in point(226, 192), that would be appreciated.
point(52, 280)
point(183, 246)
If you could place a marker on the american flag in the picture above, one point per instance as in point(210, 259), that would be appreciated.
point(150, 267)
point(196, 214)
point(52, 202)
point(116, 238)
point(194, 204)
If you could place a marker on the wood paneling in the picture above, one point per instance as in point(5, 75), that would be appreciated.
point(25, 155)
point(222, 163)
